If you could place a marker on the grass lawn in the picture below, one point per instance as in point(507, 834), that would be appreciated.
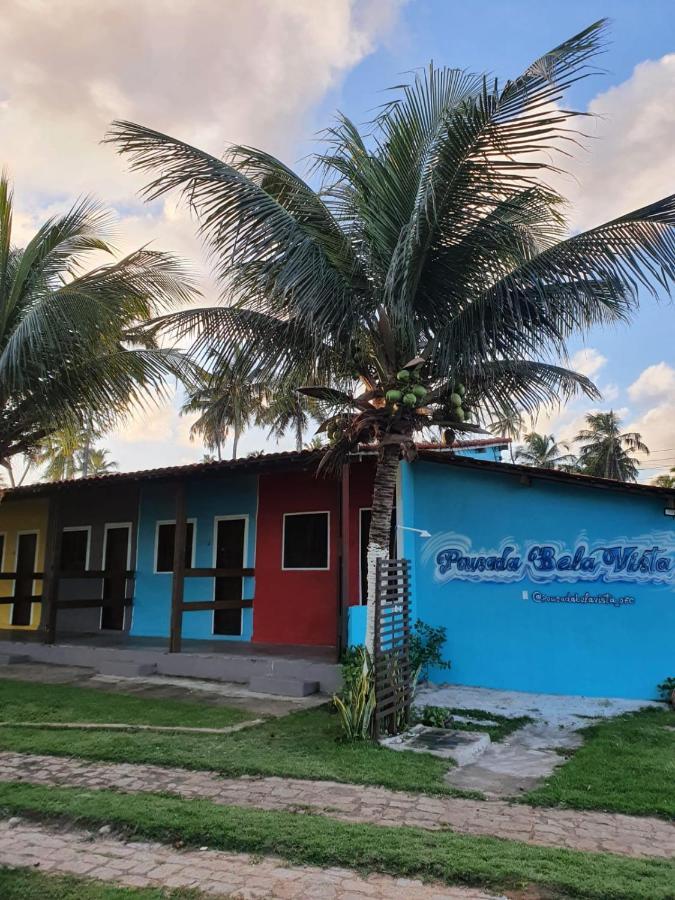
point(627, 764)
point(312, 839)
point(300, 745)
point(27, 884)
point(27, 701)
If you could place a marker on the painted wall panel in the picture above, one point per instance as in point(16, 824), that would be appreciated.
point(295, 607)
point(599, 631)
point(95, 506)
point(207, 498)
point(17, 516)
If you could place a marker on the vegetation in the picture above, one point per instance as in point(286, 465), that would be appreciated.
point(27, 701)
point(605, 451)
point(306, 744)
point(666, 481)
point(426, 649)
point(544, 452)
point(627, 764)
point(71, 350)
point(318, 840)
point(355, 704)
point(494, 724)
point(427, 281)
point(69, 452)
point(27, 884)
point(666, 690)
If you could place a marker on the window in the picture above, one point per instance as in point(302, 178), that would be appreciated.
point(166, 532)
point(74, 549)
point(364, 537)
point(305, 541)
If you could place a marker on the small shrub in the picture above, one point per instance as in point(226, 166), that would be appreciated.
point(356, 703)
point(426, 647)
point(434, 716)
point(667, 690)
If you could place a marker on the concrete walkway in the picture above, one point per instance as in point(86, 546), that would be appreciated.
point(588, 831)
point(232, 875)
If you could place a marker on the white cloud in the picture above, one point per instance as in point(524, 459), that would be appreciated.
point(631, 156)
point(654, 382)
point(588, 361)
point(610, 392)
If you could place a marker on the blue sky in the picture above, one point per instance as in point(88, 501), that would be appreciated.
point(271, 73)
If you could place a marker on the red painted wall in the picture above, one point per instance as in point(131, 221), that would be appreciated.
point(295, 607)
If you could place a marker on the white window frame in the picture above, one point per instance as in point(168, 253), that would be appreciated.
point(86, 528)
point(130, 531)
point(159, 522)
point(307, 512)
point(36, 532)
point(244, 565)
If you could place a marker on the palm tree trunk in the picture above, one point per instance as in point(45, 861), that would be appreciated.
point(6, 464)
point(235, 442)
point(384, 492)
point(298, 431)
point(86, 451)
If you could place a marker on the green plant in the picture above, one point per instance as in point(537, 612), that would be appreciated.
point(356, 703)
point(434, 716)
point(426, 646)
point(667, 690)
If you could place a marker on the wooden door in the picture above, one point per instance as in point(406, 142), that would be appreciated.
point(115, 565)
point(230, 538)
point(26, 550)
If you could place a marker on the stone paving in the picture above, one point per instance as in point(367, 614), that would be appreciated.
point(233, 875)
point(587, 831)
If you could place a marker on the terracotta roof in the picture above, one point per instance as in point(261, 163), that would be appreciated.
point(464, 445)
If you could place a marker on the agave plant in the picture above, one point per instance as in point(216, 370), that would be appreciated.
point(430, 282)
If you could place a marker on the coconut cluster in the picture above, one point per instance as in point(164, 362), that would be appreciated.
point(410, 393)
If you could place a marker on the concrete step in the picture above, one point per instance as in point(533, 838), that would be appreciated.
point(284, 687)
point(125, 668)
point(10, 659)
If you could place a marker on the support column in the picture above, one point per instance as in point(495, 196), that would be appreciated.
point(52, 559)
point(344, 559)
point(178, 580)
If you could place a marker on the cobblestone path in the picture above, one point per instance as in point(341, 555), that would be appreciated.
point(233, 875)
point(588, 831)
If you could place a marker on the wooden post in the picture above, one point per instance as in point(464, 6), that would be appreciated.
point(343, 619)
point(178, 580)
point(50, 582)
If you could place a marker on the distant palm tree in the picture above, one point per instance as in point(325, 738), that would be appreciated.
point(60, 452)
point(508, 424)
point(99, 464)
point(666, 481)
point(605, 451)
point(225, 405)
point(544, 452)
point(286, 411)
point(71, 352)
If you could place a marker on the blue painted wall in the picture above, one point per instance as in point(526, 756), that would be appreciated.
point(493, 454)
point(498, 639)
point(206, 498)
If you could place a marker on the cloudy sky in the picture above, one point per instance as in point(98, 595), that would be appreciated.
point(270, 73)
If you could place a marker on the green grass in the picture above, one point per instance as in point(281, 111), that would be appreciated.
point(301, 745)
point(27, 701)
point(27, 884)
point(495, 725)
point(627, 764)
point(317, 840)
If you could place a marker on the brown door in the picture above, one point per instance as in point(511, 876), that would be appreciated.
point(115, 583)
point(23, 586)
point(229, 555)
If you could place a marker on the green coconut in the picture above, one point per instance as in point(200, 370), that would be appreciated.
point(455, 399)
point(419, 391)
point(460, 414)
point(460, 389)
point(393, 396)
point(410, 399)
point(403, 376)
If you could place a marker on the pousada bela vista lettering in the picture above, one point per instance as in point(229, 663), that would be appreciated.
point(649, 559)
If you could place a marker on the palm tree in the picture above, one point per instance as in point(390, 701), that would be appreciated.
point(99, 464)
point(429, 278)
point(72, 354)
point(605, 452)
point(60, 453)
point(542, 451)
point(285, 410)
point(509, 424)
point(666, 481)
point(224, 404)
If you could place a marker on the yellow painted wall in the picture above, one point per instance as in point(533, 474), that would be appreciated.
point(17, 516)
